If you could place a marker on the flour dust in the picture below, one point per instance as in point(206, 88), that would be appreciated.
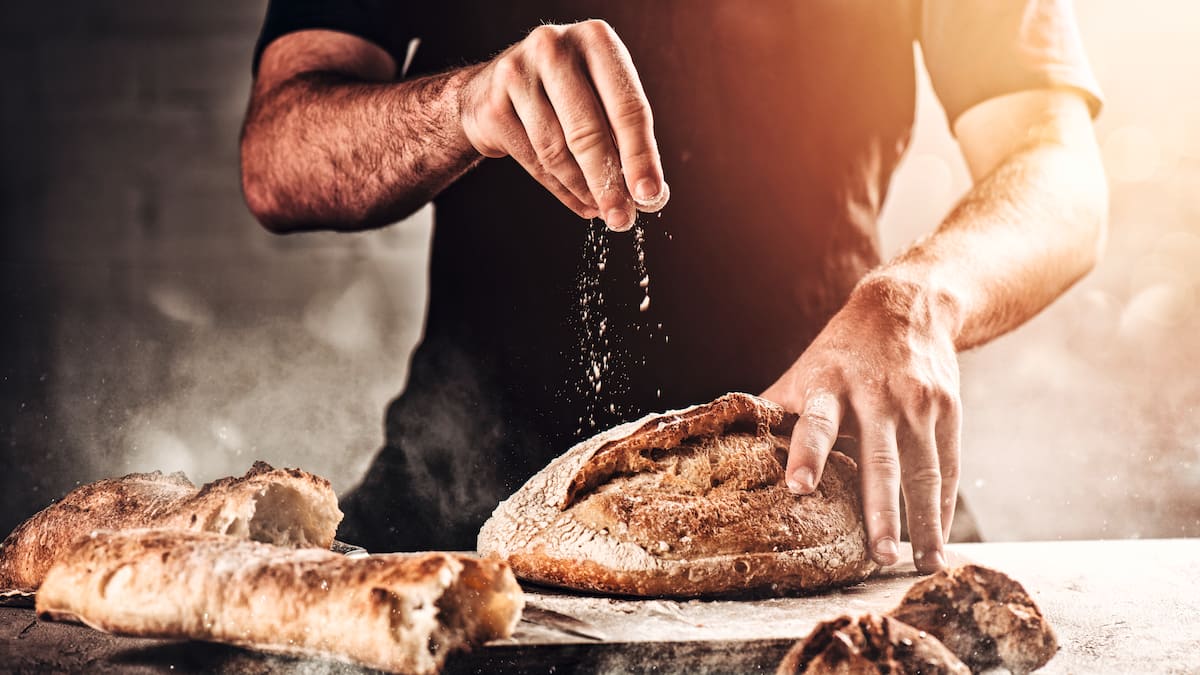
point(606, 363)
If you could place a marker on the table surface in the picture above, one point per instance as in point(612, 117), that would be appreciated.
point(1118, 607)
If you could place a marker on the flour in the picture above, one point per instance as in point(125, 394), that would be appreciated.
point(604, 363)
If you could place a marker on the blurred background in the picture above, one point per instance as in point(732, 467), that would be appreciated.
point(149, 323)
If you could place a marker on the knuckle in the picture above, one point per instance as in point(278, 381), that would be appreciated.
point(507, 72)
point(925, 477)
point(586, 138)
point(632, 112)
point(597, 29)
point(887, 517)
point(950, 473)
point(947, 401)
point(922, 396)
point(819, 423)
point(882, 463)
point(545, 43)
point(551, 152)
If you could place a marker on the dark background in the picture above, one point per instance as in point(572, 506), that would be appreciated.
point(148, 323)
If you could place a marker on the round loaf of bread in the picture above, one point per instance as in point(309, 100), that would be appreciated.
point(688, 503)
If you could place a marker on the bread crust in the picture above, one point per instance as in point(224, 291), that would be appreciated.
point(984, 616)
point(869, 645)
point(286, 506)
point(688, 503)
point(394, 612)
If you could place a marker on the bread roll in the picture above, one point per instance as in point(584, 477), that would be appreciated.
point(982, 615)
point(289, 507)
point(870, 645)
point(395, 612)
point(686, 503)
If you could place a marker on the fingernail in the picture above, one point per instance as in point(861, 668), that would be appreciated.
point(647, 189)
point(886, 551)
point(655, 201)
point(938, 560)
point(801, 481)
point(618, 220)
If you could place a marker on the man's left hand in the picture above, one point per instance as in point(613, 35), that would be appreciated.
point(884, 371)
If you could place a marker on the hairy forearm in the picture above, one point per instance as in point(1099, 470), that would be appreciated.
point(1014, 243)
point(324, 151)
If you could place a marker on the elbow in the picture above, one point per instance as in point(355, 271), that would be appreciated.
point(262, 207)
point(260, 196)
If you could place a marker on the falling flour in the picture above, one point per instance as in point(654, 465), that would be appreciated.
point(603, 361)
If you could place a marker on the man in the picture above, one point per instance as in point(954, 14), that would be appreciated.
point(777, 123)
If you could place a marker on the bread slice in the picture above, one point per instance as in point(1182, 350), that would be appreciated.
point(686, 503)
point(289, 507)
point(395, 612)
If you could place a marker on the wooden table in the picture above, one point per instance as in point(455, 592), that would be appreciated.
point(1129, 606)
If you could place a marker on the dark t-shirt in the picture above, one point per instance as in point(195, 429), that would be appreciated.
point(780, 123)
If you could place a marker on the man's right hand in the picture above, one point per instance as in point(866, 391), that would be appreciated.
point(567, 104)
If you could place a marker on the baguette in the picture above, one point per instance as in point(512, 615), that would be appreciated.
point(687, 503)
point(289, 507)
point(397, 612)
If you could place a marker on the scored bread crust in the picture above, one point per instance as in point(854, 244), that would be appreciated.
point(399, 612)
point(281, 506)
point(623, 511)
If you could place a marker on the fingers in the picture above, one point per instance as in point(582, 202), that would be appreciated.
point(580, 122)
point(549, 148)
point(949, 439)
point(812, 438)
point(922, 483)
point(590, 141)
point(620, 91)
point(879, 468)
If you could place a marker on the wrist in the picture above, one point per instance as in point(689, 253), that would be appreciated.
point(912, 302)
point(466, 89)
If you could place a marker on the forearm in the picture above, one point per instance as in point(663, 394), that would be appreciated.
point(1022, 236)
point(325, 151)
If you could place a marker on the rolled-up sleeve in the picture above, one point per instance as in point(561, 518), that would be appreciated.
point(387, 23)
point(980, 49)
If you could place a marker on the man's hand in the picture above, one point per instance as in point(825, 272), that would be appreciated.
point(567, 104)
point(885, 371)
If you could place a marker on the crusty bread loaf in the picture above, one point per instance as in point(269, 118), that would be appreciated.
point(984, 616)
point(281, 506)
point(686, 503)
point(869, 645)
point(396, 612)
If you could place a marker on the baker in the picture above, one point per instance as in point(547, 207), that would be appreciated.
point(777, 124)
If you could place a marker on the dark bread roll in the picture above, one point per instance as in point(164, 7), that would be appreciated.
point(686, 503)
point(870, 645)
point(982, 615)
